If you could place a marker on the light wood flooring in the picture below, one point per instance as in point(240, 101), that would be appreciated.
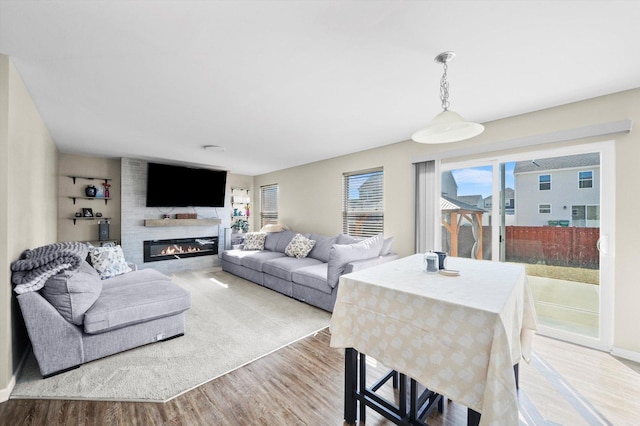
point(302, 384)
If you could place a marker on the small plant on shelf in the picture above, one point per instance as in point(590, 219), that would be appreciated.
point(240, 225)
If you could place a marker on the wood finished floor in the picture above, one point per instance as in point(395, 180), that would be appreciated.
point(302, 384)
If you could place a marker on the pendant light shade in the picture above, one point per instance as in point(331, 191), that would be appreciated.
point(448, 126)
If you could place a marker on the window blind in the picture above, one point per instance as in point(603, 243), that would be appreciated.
point(268, 204)
point(363, 203)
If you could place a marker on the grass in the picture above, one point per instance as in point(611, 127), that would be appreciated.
point(581, 275)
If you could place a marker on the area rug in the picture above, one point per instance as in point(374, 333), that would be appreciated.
point(231, 323)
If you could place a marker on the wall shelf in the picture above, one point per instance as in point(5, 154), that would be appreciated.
point(88, 218)
point(240, 200)
point(89, 178)
point(182, 222)
point(106, 199)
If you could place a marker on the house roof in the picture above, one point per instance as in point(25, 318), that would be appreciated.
point(451, 204)
point(557, 163)
point(470, 199)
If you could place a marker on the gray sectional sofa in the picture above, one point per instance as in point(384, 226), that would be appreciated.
point(314, 278)
point(78, 317)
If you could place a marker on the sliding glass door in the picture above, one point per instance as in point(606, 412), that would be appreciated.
point(543, 210)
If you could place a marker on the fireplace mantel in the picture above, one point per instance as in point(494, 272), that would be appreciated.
point(181, 222)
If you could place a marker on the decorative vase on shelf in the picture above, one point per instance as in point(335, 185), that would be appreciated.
point(90, 191)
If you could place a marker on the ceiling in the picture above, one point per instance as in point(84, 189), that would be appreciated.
point(284, 83)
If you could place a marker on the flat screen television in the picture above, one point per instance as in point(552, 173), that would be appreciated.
point(178, 186)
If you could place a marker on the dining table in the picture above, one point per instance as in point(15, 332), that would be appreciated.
point(460, 333)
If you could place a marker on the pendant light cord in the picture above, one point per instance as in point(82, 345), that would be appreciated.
point(444, 89)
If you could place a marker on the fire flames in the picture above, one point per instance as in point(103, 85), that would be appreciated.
point(178, 250)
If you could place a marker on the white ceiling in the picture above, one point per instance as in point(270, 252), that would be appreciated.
point(283, 83)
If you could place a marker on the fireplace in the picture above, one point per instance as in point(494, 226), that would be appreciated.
point(179, 248)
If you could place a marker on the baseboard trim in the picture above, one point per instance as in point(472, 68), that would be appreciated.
point(5, 393)
point(626, 354)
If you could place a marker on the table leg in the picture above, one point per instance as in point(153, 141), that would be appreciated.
point(350, 383)
point(473, 417)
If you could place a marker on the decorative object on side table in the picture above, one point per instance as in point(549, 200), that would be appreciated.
point(241, 225)
point(90, 191)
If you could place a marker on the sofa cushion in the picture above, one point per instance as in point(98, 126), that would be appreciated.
point(254, 240)
point(284, 266)
point(299, 247)
point(256, 260)
point(72, 293)
point(108, 261)
point(134, 277)
point(271, 241)
point(236, 256)
point(314, 276)
point(341, 254)
point(322, 246)
point(284, 240)
point(132, 304)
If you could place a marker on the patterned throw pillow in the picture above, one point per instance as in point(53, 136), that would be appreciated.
point(254, 240)
point(108, 261)
point(299, 247)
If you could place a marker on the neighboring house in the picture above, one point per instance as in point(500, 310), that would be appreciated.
point(474, 200)
point(509, 201)
point(510, 207)
point(558, 191)
point(448, 185)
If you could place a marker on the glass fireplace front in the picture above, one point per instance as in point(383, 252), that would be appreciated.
point(179, 248)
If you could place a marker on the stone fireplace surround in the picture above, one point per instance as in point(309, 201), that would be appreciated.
point(134, 212)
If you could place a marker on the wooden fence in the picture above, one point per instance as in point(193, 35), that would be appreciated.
point(559, 246)
point(549, 245)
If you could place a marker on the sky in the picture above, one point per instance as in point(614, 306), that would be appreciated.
point(477, 180)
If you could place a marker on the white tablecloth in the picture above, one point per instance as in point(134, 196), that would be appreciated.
point(458, 336)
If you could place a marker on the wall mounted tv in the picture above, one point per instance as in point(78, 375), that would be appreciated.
point(178, 186)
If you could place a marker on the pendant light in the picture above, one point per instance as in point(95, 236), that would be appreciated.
point(448, 126)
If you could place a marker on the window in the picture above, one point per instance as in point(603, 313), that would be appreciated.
point(362, 203)
point(585, 216)
point(585, 179)
point(544, 208)
point(544, 182)
point(268, 204)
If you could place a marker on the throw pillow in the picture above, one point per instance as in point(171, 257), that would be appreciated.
point(72, 293)
point(341, 254)
point(254, 240)
point(386, 246)
point(299, 247)
point(108, 261)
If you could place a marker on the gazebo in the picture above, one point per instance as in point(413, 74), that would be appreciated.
point(453, 213)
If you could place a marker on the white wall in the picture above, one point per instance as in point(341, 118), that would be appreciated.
point(310, 195)
point(28, 200)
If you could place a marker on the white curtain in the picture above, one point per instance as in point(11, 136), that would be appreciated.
point(427, 204)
